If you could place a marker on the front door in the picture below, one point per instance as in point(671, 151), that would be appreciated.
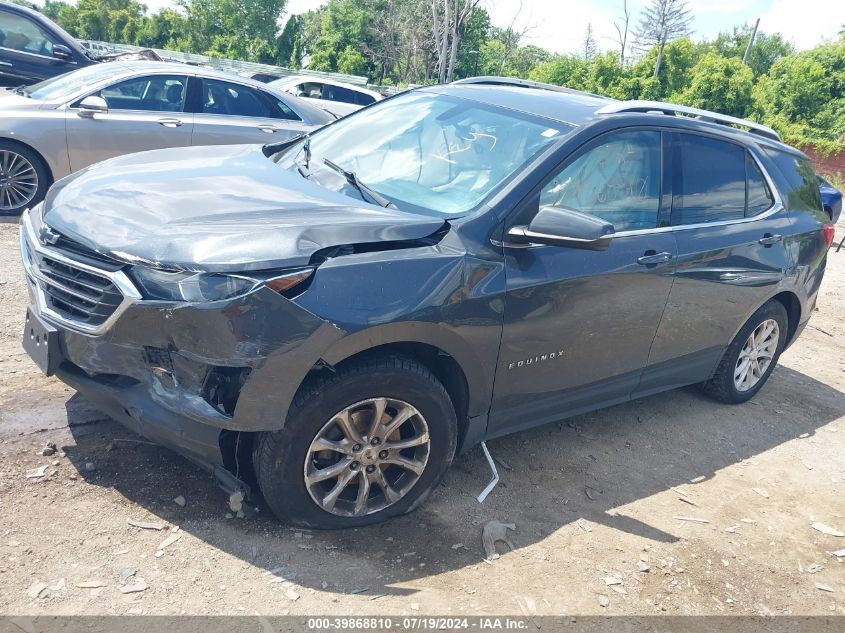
point(579, 323)
point(26, 51)
point(144, 113)
point(731, 257)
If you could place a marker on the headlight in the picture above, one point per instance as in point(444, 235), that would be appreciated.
point(204, 287)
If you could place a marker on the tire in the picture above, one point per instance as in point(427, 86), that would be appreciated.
point(34, 170)
point(723, 386)
point(283, 459)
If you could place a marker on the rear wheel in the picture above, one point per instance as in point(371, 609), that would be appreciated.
point(23, 178)
point(751, 357)
point(364, 444)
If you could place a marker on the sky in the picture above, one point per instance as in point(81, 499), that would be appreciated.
point(559, 25)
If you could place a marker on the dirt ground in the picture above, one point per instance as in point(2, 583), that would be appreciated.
point(595, 500)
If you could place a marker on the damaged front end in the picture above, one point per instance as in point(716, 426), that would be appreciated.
point(171, 353)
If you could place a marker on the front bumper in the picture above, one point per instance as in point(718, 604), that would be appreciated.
point(182, 374)
point(131, 405)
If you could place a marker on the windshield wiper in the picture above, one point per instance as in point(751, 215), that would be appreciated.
point(21, 90)
point(352, 179)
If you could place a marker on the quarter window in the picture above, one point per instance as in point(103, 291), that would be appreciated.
point(156, 93)
point(617, 180)
point(759, 196)
point(22, 34)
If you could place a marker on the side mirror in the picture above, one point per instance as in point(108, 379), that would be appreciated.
point(92, 105)
point(558, 226)
point(62, 52)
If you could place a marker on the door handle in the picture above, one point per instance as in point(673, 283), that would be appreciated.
point(169, 122)
point(651, 258)
point(269, 129)
point(768, 239)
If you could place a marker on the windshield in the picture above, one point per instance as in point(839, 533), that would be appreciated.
point(429, 151)
point(72, 83)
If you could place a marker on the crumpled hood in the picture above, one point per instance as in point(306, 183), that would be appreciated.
point(215, 209)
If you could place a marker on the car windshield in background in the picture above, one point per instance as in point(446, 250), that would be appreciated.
point(429, 151)
point(70, 84)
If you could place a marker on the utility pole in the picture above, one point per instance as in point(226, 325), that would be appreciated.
point(750, 42)
point(660, 53)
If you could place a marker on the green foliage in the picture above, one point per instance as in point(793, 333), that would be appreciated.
point(801, 95)
point(720, 83)
point(766, 51)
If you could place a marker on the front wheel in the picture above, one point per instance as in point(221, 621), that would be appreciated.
point(23, 178)
point(359, 446)
point(751, 357)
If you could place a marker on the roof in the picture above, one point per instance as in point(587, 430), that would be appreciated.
point(573, 107)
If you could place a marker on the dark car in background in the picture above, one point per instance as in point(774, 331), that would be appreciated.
point(34, 48)
point(831, 199)
point(332, 318)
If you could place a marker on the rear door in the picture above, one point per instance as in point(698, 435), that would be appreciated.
point(228, 113)
point(579, 323)
point(730, 227)
point(144, 113)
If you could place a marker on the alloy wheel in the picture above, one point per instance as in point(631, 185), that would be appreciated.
point(756, 355)
point(18, 181)
point(367, 457)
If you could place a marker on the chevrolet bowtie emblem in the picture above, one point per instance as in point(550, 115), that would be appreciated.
point(48, 236)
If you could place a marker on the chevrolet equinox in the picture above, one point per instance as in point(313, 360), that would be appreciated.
point(332, 318)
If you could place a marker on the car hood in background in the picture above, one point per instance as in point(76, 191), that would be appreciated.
point(220, 208)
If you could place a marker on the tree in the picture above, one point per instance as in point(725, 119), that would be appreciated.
point(287, 43)
point(448, 20)
point(662, 21)
point(722, 84)
point(590, 46)
point(622, 31)
point(163, 29)
point(767, 49)
point(242, 29)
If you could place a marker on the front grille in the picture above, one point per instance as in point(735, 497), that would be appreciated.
point(78, 294)
point(73, 288)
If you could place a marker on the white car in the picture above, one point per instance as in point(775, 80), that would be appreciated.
point(337, 97)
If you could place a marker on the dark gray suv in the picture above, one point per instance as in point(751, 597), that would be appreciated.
point(330, 319)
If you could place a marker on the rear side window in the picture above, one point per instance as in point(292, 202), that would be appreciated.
point(337, 93)
point(222, 97)
point(715, 181)
point(709, 181)
point(803, 187)
point(362, 98)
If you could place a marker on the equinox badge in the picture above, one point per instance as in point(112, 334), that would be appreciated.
point(534, 359)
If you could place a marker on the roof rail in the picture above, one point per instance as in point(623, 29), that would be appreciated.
point(702, 115)
point(490, 80)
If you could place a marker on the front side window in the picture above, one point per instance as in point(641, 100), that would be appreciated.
point(617, 180)
point(429, 152)
point(22, 34)
point(225, 98)
point(155, 93)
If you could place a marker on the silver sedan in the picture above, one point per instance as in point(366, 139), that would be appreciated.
point(66, 123)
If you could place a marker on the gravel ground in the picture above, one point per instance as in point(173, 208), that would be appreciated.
point(594, 500)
